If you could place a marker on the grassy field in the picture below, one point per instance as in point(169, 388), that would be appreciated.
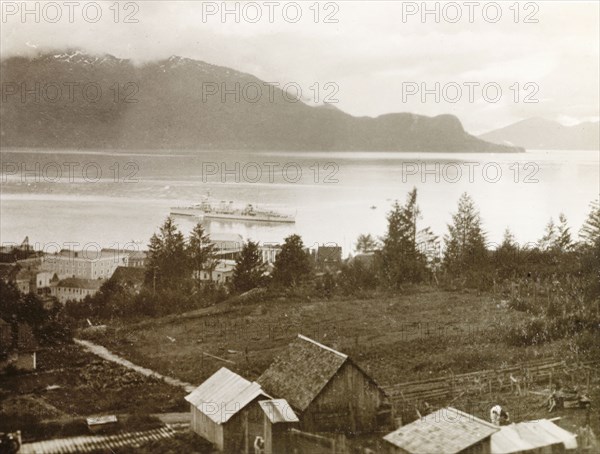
point(426, 333)
point(395, 338)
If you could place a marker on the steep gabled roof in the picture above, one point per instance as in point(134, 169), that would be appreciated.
point(446, 431)
point(224, 394)
point(301, 372)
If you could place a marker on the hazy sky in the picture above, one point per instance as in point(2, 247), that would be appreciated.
point(377, 53)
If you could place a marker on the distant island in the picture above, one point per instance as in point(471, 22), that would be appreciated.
point(542, 134)
point(76, 100)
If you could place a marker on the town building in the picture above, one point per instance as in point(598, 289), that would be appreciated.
point(269, 253)
point(446, 431)
point(43, 282)
point(85, 264)
point(130, 278)
point(136, 259)
point(329, 256)
point(327, 390)
point(221, 274)
point(75, 289)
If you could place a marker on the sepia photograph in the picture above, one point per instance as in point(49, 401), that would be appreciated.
point(299, 227)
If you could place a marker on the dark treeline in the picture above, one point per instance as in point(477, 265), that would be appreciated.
point(555, 282)
point(179, 276)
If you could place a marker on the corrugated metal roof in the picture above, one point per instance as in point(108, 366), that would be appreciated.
point(446, 431)
point(278, 410)
point(224, 394)
point(530, 435)
point(96, 443)
point(302, 371)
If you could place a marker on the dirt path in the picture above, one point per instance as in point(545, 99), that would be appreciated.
point(106, 354)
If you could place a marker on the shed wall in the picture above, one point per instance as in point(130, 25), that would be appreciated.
point(349, 403)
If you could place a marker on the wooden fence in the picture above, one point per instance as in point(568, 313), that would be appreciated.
point(517, 379)
point(309, 443)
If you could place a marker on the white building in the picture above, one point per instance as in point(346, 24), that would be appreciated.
point(74, 289)
point(222, 274)
point(85, 264)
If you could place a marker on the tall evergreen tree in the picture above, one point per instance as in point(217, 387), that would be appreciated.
point(249, 269)
point(465, 241)
point(201, 252)
point(563, 242)
point(507, 256)
point(168, 264)
point(548, 241)
point(590, 231)
point(365, 243)
point(292, 265)
point(401, 261)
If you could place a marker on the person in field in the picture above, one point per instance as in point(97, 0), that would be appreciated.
point(498, 415)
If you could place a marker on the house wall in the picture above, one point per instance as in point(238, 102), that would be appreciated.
point(237, 435)
point(64, 294)
point(102, 267)
point(207, 428)
point(349, 403)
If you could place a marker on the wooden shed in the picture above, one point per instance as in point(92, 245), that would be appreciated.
point(222, 412)
point(446, 431)
point(278, 419)
point(533, 437)
point(327, 390)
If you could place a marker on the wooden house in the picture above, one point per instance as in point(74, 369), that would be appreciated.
point(446, 431)
point(279, 418)
point(232, 412)
point(327, 390)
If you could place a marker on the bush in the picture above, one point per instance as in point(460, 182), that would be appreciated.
point(534, 331)
point(141, 422)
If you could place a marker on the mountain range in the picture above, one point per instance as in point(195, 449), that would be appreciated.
point(541, 134)
point(76, 100)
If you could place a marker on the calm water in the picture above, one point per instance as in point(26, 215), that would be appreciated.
point(113, 198)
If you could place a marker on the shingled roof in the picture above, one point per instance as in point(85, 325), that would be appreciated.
point(301, 372)
point(446, 431)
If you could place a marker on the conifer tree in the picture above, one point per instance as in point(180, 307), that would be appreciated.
point(590, 231)
point(168, 264)
point(465, 242)
point(249, 269)
point(201, 252)
point(563, 242)
point(292, 265)
point(401, 261)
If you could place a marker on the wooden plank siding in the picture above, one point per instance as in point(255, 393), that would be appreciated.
point(207, 428)
point(350, 403)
